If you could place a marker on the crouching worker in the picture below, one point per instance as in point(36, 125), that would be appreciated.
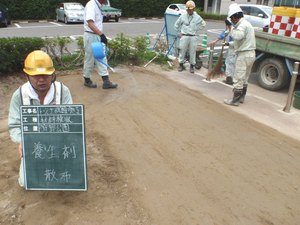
point(40, 89)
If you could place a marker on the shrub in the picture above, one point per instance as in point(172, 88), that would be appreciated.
point(122, 50)
point(13, 52)
point(133, 51)
point(62, 58)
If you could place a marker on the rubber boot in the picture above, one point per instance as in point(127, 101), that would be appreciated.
point(107, 83)
point(89, 83)
point(228, 80)
point(181, 67)
point(235, 101)
point(242, 98)
point(192, 70)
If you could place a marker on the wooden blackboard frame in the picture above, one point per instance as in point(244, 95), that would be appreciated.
point(54, 147)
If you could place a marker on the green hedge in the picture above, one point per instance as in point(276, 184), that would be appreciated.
point(13, 52)
point(123, 50)
point(45, 9)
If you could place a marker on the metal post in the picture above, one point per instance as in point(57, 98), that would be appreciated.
point(210, 63)
point(211, 53)
point(287, 107)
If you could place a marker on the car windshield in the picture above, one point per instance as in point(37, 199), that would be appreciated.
point(268, 10)
point(74, 7)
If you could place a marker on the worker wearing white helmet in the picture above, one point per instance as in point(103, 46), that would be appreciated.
point(188, 27)
point(244, 46)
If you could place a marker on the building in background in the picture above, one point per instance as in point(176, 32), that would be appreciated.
point(221, 6)
point(288, 3)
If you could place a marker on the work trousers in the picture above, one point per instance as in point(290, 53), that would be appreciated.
point(230, 62)
point(21, 174)
point(89, 60)
point(243, 65)
point(188, 43)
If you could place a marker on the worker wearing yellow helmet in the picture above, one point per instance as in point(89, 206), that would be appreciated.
point(188, 27)
point(190, 5)
point(40, 89)
point(244, 45)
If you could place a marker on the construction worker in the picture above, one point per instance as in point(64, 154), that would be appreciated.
point(230, 54)
point(188, 27)
point(93, 32)
point(40, 89)
point(244, 46)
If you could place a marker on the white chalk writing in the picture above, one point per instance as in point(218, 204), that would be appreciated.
point(42, 151)
point(52, 176)
point(69, 151)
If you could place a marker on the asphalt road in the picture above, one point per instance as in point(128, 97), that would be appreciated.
point(130, 27)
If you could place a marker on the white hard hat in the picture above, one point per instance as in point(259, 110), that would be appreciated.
point(190, 5)
point(233, 9)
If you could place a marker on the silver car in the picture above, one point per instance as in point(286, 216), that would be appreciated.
point(70, 12)
point(257, 15)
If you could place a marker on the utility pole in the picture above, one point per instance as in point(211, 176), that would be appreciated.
point(205, 6)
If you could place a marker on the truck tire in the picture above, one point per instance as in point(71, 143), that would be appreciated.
point(117, 19)
point(273, 74)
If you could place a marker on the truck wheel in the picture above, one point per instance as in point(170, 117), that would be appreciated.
point(273, 74)
point(117, 19)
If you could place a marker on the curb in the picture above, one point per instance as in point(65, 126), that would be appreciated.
point(53, 20)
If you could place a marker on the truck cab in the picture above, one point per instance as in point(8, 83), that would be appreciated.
point(111, 13)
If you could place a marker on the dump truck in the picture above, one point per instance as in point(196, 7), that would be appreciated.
point(275, 57)
point(277, 49)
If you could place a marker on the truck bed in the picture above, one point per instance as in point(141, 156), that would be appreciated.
point(278, 45)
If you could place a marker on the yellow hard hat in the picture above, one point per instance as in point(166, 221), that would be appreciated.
point(190, 5)
point(38, 63)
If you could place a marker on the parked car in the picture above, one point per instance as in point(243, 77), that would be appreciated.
point(176, 9)
point(110, 13)
point(257, 15)
point(4, 17)
point(70, 12)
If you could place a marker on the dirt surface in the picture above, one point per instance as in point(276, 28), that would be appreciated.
point(160, 153)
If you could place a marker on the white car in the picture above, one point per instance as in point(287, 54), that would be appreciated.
point(257, 15)
point(70, 12)
point(176, 9)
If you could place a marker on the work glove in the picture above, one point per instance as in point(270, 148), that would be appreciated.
point(103, 39)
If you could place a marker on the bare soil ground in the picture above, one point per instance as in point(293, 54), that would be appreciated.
point(160, 154)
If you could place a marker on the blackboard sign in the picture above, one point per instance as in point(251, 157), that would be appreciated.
point(53, 139)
